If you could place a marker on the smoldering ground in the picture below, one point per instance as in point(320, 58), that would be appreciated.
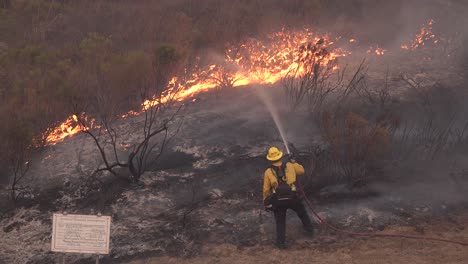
point(212, 190)
point(206, 188)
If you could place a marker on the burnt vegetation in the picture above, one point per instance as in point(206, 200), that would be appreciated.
point(102, 61)
point(105, 58)
point(99, 60)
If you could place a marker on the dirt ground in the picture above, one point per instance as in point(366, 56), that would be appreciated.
point(330, 249)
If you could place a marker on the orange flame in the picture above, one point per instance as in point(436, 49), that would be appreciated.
point(252, 62)
point(378, 51)
point(425, 34)
point(255, 61)
point(67, 128)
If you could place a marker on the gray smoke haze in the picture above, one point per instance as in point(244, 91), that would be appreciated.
point(389, 24)
point(385, 23)
point(441, 179)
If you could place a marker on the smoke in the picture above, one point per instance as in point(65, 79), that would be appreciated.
point(385, 21)
point(439, 72)
point(208, 25)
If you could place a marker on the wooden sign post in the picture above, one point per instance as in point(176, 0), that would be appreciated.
point(87, 234)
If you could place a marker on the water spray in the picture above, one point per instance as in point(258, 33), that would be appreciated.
point(267, 100)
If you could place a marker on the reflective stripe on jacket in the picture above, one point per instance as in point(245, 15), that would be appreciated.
point(269, 179)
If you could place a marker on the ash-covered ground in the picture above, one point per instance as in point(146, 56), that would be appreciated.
point(205, 189)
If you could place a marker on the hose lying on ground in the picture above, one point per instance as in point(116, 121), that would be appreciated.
point(323, 222)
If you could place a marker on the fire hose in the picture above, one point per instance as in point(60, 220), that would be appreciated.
point(368, 234)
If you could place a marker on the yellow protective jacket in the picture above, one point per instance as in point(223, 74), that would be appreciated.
point(270, 182)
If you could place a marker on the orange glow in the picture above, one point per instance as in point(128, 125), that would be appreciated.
point(130, 113)
point(425, 34)
point(67, 128)
point(380, 51)
point(253, 62)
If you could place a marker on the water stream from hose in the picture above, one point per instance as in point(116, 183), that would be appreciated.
point(268, 102)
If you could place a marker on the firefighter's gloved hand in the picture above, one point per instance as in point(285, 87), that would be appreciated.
point(269, 208)
point(291, 158)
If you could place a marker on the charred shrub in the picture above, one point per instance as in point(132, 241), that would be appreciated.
point(356, 148)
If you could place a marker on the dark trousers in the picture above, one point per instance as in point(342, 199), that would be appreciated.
point(280, 218)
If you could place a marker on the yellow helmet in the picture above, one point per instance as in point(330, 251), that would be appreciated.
point(274, 154)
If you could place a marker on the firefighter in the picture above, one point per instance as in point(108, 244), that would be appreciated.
point(279, 193)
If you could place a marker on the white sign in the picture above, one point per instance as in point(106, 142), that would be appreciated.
point(81, 233)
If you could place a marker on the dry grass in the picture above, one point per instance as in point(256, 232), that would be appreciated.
point(345, 249)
